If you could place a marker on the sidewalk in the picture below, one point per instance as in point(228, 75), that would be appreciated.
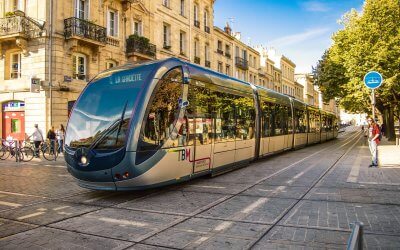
point(388, 154)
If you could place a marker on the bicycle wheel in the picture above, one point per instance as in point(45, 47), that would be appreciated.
point(49, 153)
point(27, 154)
point(5, 152)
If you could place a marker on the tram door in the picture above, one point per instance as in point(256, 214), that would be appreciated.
point(200, 125)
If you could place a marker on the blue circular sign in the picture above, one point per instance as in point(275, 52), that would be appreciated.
point(373, 80)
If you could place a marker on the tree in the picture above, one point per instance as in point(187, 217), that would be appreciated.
point(369, 40)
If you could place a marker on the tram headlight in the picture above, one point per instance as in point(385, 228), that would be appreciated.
point(84, 160)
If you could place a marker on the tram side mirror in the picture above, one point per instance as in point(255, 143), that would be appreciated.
point(183, 104)
point(186, 80)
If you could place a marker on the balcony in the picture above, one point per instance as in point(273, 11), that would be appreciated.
point(208, 64)
point(220, 51)
point(140, 46)
point(197, 23)
point(13, 27)
point(241, 63)
point(196, 60)
point(112, 41)
point(207, 29)
point(84, 30)
point(228, 55)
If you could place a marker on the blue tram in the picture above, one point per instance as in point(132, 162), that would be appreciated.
point(161, 122)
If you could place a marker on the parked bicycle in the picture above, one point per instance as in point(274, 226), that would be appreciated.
point(16, 150)
point(25, 150)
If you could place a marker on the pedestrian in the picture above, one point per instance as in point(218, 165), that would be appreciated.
point(60, 134)
point(51, 135)
point(37, 137)
point(373, 139)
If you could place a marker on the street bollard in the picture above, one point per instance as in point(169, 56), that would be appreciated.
point(16, 150)
point(356, 239)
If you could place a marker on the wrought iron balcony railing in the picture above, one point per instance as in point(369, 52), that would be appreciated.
point(15, 25)
point(197, 23)
point(140, 44)
point(197, 59)
point(227, 54)
point(208, 64)
point(241, 63)
point(74, 26)
point(207, 29)
point(220, 51)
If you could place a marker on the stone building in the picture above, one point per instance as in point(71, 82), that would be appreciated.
point(306, 80)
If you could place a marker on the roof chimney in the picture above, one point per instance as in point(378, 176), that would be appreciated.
point(228, 29)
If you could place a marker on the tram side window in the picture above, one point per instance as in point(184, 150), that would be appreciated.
point(279, 119)
point(199, 115)
point(312, 121)
point(317, 122)
point(300, 121)
point(267, 118)
point(323, 123)
point(224, 108)
point(245, 118)
point(159, 122)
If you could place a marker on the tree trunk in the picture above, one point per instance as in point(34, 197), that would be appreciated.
point(386, 120)
point(390, 125)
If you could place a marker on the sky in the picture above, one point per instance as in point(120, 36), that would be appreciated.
point(299, 29)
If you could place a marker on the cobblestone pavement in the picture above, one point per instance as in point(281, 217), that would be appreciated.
point(303, 199)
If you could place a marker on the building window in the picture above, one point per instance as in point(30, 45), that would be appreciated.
point(113, 23)
point(227, 49)
point(166, 36)
point(15, 71)
point(207, 52)
point(166, 3)
point(196, 48)
point(196, 16)
point(250, 61)
point(228, 70)
point(110, 64)
point(82, 9)
point(220, 66)
point(182, 42)
point(79, 66)
point(219, 46)
point(137, 28)
point(182, 7)
point(205, 18)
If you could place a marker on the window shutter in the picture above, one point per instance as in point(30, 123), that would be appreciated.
point(116, 22)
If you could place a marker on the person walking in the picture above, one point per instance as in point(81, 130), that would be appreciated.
point(37, 137)
point(60, 134)
point(51, 135)
point(373, 139)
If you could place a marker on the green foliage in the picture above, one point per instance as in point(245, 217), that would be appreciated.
point(9, 14)
point(369, 40)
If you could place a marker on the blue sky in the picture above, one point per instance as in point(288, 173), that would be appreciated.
point(299, 29)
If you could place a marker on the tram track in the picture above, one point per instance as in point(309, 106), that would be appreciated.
point(226, 222)
point(237, 218)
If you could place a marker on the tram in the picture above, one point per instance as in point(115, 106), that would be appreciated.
point(162, 122)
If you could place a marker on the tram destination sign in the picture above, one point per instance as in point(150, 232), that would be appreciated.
point(373, 80)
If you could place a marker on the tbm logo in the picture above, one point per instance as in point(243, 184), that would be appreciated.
point(183, 154)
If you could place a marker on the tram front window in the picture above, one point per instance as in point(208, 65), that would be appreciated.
point(101, 116)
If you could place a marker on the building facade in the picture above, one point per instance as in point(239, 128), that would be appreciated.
point(51, 49)
point(306, 80)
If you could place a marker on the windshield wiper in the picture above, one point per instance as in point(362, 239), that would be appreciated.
point(111, 128)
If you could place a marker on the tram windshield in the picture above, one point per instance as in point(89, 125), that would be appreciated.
point(101, 115)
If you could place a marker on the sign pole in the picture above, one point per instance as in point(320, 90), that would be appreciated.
point(373, 80)
point(373, 104)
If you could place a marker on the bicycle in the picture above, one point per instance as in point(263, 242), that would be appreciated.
point(48, 151)
point(14, 149)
